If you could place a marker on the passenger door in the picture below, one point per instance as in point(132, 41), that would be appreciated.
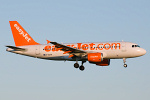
point(37, 50)
point(123, 47)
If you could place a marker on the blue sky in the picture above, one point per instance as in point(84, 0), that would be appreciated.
point(25, 78)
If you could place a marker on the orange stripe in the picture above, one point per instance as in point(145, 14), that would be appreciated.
point(66, 52)
point(70, 56)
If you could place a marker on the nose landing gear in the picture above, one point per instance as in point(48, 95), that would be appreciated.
point(124, 61)
point(125, 65)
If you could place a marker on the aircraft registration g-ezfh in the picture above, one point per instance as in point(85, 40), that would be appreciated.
point(98, 53)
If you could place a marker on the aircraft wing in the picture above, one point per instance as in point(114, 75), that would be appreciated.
point(67, 49)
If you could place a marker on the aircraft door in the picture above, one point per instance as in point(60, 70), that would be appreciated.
point(37, 50)
point(123, 47)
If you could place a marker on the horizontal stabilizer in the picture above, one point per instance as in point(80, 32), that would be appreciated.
point(16, 48)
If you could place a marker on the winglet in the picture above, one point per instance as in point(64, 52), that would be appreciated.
point(21, 37)
point(48, 41)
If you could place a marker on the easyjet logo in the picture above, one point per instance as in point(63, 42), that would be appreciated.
point(21, 32)
point(90, 46)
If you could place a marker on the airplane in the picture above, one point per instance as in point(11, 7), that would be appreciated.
point(98, 53)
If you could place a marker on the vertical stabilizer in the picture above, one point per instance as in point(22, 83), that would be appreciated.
point(21, 37)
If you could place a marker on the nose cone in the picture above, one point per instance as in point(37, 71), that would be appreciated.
point(144, 51)
point(141, 52)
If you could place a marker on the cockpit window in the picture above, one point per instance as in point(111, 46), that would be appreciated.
point(137, 46)
point(133, 46)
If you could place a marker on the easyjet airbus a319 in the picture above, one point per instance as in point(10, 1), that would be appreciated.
point(98, 53)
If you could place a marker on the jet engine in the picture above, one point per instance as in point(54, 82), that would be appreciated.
point(105, 62)
point(95, 57)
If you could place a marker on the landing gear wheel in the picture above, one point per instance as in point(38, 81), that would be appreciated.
point(76, 65)
point(125, 65)
point(124, 61)
point(81, 68)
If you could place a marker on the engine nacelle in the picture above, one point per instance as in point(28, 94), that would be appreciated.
point(95, 57)
point(105, 62)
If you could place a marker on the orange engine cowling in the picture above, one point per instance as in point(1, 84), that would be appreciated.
point(105, 62)
point(95, 57)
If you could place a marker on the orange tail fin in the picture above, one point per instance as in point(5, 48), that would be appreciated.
point(21, 37)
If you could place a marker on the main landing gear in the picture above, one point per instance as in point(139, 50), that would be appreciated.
point(124, 61)
point(76, 65)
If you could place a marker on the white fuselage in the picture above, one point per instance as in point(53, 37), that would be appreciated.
point(98, 53)
point(110, 50)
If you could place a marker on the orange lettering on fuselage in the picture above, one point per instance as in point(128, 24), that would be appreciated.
point(79, 45)
point(101, 46)
point(105, 46)
point(53, 48)
point(47, 48)
point(91, 46)
point(73, 46)
point(115, 45)
point(85, 47)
